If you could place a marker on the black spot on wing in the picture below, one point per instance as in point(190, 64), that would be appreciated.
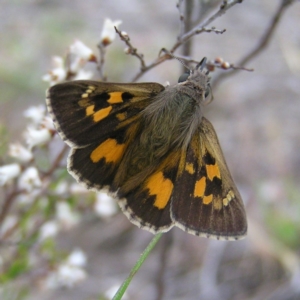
point(126, 96)
point(100, 100)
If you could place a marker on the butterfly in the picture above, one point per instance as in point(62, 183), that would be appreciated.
point(151, 148)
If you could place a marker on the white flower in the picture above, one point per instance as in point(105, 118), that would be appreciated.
point(78, 189)
point(47, 122)
point(58, 73)
point(77, 258)
point(64, 276)
point(69, 272)
point(27, 198)
point(58, 62)
point(80, 54)
point(76, 64)
point(80, 49)
point(36, 137)
point(19, 152)
point(65, 216)
point(70, 275)
point(62, 188)
point(105, 206)
point(8, 172)
point(48, 229)
point(83, 75)
point(108, 33)
point(29, 179)
point(35, 113)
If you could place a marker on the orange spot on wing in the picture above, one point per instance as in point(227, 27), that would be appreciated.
point(115, 97)
point(207, 199)
point(213, 171)
point(90, 110)
point(102, 113)
point(200, 187)
point(109, 149)
point(190, 168)
point(121, 116)
point(161, 188)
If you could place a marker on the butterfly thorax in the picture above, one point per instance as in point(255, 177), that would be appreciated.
point(169, 122)
point(173, 116)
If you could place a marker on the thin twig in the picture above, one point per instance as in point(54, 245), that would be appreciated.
point(131, 50)
point(264, 41)
point(186, 47)
point(200, 28)
point(9, 200)
point(56, 162)
point(181, 16)
point(186, 37)
point(101, 62)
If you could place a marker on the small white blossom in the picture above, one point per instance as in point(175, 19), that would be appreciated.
point(81, 50)
point(108, 33)
point(36, 137)
point(125, 35)
point(47, 122)
point(48, 229)
point(20, 153)
point(27, 198)
point(105, 206)
point(58, 62)
point(62, 188)
point(8, 172)
point(29, 179)
point(58, 73)
point(35, 113)
point(80, 54)
point(76, 64)
point(83, 75)
point(65, 216)
point(70, 275)
point(69, 272)
point(78, 189)
point(77, 258)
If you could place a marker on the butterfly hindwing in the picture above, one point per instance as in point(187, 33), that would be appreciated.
point(146, 197)
point(205, 200)
point(86, 111)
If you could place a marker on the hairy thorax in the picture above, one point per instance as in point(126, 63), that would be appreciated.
point(168, 122)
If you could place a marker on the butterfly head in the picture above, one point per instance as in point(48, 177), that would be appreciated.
point(198, 79)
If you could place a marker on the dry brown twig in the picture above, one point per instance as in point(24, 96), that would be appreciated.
point(130, 49)
point(264, 41)
point(182, 39)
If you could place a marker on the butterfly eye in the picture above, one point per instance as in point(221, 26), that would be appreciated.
point(184, 77)
point(208, 94)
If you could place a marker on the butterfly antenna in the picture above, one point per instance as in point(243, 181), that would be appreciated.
point(180, 60)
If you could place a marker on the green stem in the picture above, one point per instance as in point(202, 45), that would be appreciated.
point(124, 286)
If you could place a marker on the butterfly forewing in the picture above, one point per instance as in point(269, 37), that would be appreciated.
point(86, 111)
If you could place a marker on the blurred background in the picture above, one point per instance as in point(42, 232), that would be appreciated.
point(256, 116)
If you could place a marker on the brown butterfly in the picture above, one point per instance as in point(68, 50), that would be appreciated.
point(151, 148)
